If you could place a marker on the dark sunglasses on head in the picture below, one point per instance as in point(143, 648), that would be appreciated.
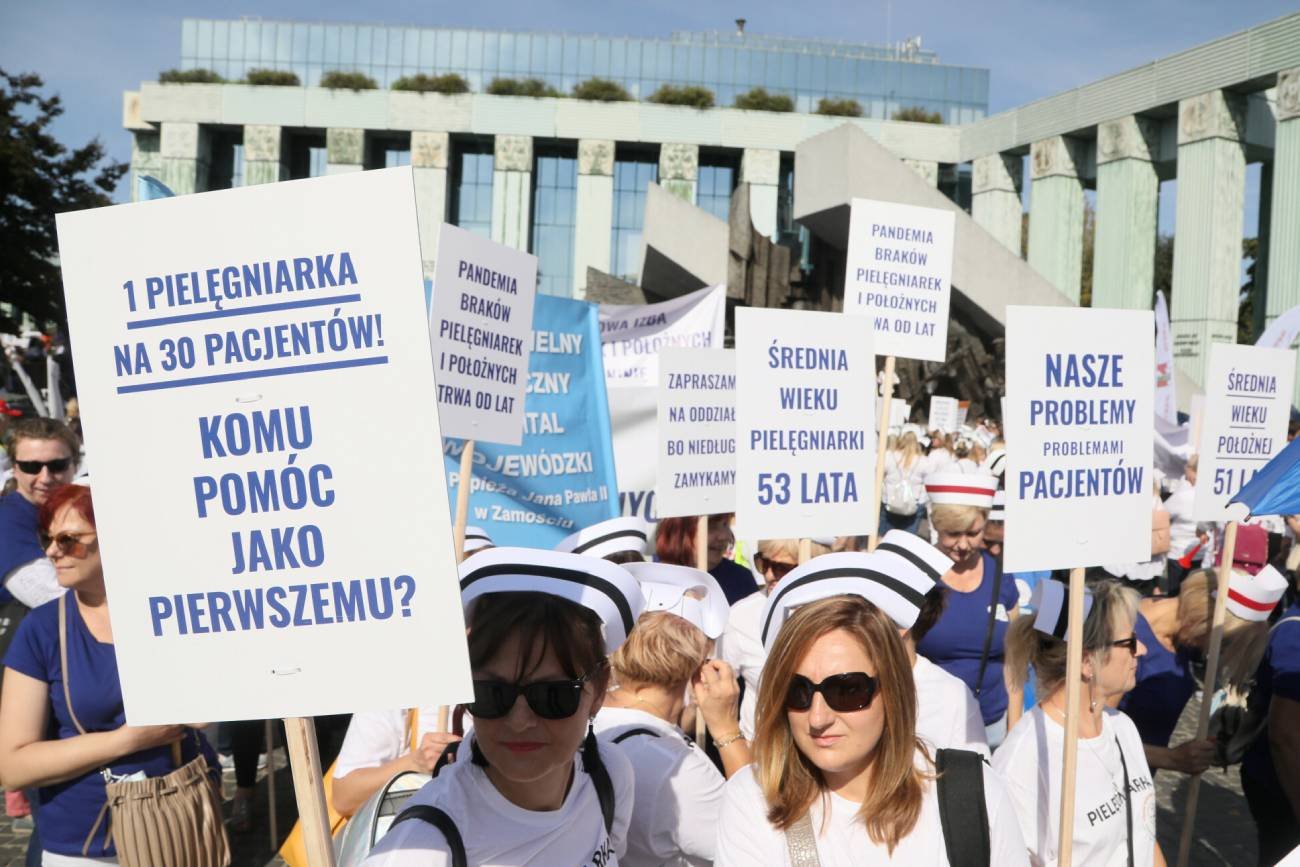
point(549, 699)
point(33, 468)
point(67, 543)
point(779, 570)
point(843, 692)
point(1131, 643)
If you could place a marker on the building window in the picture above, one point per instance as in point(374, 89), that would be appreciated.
point(307, 155)
point(385, 152)
point(555, 188)
point(717, 178)
point(471, 206)
point(226, 168)
point(785, 227)
point(633, 171)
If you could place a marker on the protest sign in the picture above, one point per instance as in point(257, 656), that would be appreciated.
point(1166, 383)
point(805, 426)
point(943, 414)
point(1079, 413)
point(481, 322)
point(898, 412)
point(898, 273)
point(697, 433)
point(1246, 410)
point(561, 477)
point(246, 535)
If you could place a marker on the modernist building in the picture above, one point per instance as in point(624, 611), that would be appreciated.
point(568, 179)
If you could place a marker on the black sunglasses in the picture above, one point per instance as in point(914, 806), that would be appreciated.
point(779, 570)
point(1131, 643)
point(33, 468)
point(549, 699)
point(843, 692)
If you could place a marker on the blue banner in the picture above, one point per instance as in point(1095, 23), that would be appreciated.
point(561, 478)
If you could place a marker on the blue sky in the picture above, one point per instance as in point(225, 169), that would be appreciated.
point(90, 52)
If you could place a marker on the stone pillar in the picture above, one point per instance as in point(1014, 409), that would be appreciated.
point(1128, 195)
point(679, 169)
point(146, 158)
point(185, 157)
point(1208, 226)
point(927, 169)
point(995, 197)
point(1284, 226)
point(512, 190)
point(429, 153)
point(1056, 213)
point(263, 155)
point(761, 169)
point(345, 150)
point(594, 221)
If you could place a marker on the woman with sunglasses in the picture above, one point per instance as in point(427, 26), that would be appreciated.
point(839, 776)
point(61, 716)
point(1115, 801)
point(536, 788)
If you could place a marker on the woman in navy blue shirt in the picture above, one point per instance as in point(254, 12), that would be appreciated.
point(40, 745)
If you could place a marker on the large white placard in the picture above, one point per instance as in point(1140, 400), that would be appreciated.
point(899, 274)
point(1079, 410)
point(632, 335)
point(805, 426)
point(254, 368)
point(481, 324)
point(697, 432)
point(944, 413)
point(1247, 407)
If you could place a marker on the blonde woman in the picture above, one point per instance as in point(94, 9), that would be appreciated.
point(903, 504)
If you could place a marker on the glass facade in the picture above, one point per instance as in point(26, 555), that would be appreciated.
point(633, 172)
point(471, 187)
point(555, 191)
point(882, 78)
point(717, 179)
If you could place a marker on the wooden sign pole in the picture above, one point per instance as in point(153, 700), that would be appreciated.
point(701, 563)
point(464, 484)
point(805, 551)
point(1073, 677)
point(882, 445)
point(1208, 689)
point(270, 785)
point(309, 789)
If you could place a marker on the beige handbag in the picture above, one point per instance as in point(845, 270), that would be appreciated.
point(158, 821)
point(1160, 526)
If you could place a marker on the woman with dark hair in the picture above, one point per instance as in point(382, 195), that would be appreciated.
point(675, 544)
point(538, 788)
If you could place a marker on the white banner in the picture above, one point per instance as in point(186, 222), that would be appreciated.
point(1282, 332)
point(898, 273)
point(237, 355)
point(1247, 407)
point(1079, 417)
point(1166, 381)
point(697, 433)
point(805, 431)
point(944, 413)
point(481, 324)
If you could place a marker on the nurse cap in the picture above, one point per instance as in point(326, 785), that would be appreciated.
point(1050, 603)
point(606, 588)
point(691, 594)
point(476, 539)
point(999, 510)
point(961, 489)
point(996, 463)
point(893, 583)
point(1253, 597)
point(614, 536)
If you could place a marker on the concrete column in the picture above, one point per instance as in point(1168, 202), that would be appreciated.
point(761, 169)
point(512, 190)
point(1284, 226)
point(429, 152)
point(345, 150)
point(146, 158)
point(185, 157)
point(927, 169)
point(263, 155)
point(679, 169)
point(1056, 213)
point(995, 197)
point(1208, 226)
point(1128, 194)
point(594, 222)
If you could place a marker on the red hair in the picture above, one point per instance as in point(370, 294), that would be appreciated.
point(675, 541)
point(74, 497)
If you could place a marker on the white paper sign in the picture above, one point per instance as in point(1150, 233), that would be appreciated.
point(1080, 404)
point(697, 432)
point(267, 520)
point(1247, 407)
point(899, 273)
point(481, 325)
point(943, 413)
point(632, 335)
point(805, 429)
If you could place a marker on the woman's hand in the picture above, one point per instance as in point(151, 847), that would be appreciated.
point(137, 738)
point(431, 746)
point(718, 695)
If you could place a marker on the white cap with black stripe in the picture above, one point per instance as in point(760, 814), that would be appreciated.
point(1050, 602)
point(476, 539)
point(606, 588)
point(615, 536)
point(999, 510)
point(691, 594)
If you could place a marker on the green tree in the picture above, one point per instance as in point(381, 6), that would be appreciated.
point(340, 80)
point(839, 107)
point(421, 83)
point(189, 76)
point(759, 99)
point(272, 77)
point(671, 94)
point(1247, 321)
point(535, 87)
point(601, 90)
point(916, 114)
point(40, 177)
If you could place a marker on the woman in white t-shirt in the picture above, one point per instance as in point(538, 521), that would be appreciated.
point(535, 790)
point(839, 777)
point(1115, 800)
point(903, 503)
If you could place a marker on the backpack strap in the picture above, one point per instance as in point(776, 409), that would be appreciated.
point(440, 820)
point(446, 757)
point(595, 769)
point(961, 791)
point(801, 843)
point(1128, 803)
point(992, 624)
point(633, 733)
point(63, 661)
